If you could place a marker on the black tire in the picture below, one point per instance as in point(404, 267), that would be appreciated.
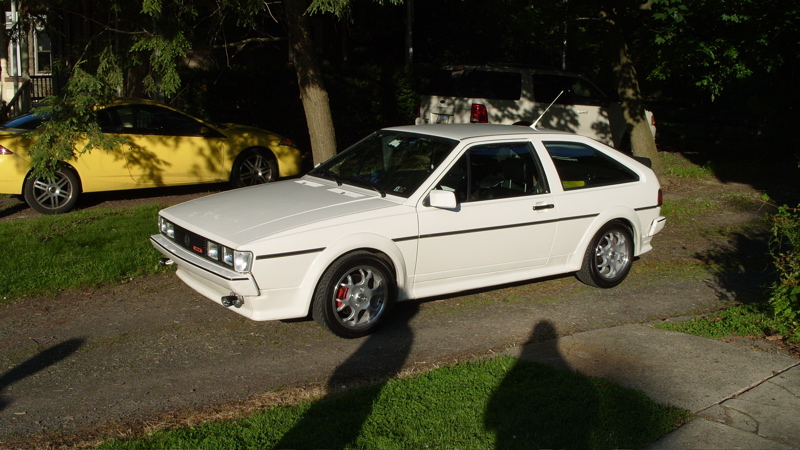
point(254, 167)
point(354, 295)
point(609, 257)
point(55, 196)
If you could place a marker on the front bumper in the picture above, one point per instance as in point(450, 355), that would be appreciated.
point(225, 280)
point(215, 283)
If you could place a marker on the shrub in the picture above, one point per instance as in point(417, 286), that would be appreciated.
point(784, 247)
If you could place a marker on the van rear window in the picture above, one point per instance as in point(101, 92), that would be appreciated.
point(474, 83)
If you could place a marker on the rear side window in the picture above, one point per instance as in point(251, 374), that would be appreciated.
point(577, 91)
point(581, 166)
point(476, 83)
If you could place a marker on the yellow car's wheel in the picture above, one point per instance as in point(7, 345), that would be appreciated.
point(52, 196)
point(252, 167)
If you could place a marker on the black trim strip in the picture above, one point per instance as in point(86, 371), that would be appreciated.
point(645, 208)
point(501, 227)
point(197, 265)
point(283, 255)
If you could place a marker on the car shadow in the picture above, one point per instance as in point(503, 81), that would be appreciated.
point(94, 199)
point(11, 206)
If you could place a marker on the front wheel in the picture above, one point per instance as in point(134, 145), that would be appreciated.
point(609, 257)
point(52, 196)
point(254, 167)
point(354, 294)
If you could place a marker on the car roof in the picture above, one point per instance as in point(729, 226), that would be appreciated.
point(461, 131)
point(507, 67)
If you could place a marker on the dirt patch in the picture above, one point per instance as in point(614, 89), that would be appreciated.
point(121, 360)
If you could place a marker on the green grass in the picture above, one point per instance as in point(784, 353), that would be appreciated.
point(741, 320)
point(678, 167)
point(685, 210)
point(499, 403)
point(84, 248)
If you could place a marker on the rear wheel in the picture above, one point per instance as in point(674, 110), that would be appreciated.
point(52, 196)
point(609, 256)
point(254, 167)
point(354, 295)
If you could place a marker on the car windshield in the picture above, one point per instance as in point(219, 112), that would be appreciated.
point(388, 162)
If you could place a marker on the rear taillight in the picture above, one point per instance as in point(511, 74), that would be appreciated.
point(478, 114)
point(5, 151)
point(288, 142)
point(660, 197)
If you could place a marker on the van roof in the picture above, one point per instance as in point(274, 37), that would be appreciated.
point(461, 131)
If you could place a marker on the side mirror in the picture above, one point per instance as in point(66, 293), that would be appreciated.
point(644, 160)
point(442, 199)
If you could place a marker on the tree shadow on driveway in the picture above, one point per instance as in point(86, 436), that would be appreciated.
point(43, 360)
point(381, 357)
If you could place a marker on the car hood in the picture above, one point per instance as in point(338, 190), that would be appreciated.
point(244, 215)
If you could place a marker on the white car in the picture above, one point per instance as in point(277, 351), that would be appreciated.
point(412, 212)
point(508, 94)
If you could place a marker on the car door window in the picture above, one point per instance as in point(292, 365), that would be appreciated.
point(493, 171)
point(581, 166)
point(147, 119)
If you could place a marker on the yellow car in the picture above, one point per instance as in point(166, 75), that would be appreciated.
point(163, 147)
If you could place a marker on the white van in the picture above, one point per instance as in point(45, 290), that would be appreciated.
point(519, 95)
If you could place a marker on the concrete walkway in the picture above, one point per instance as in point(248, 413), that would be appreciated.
point(740, 398)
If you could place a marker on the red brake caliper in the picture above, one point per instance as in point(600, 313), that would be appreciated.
point(341, 294)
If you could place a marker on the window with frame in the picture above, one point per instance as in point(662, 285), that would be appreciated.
point(388, 161)
point(582, 166)
point(576, 91)
point(147, 119)
point(493, 171)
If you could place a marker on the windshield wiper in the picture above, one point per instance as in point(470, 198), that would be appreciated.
point(325, 173)
point(366, 184)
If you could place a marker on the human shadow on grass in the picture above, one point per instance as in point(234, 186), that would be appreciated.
point(544, 403)
point(336, 421)
point(535, 406)
point(41, 361)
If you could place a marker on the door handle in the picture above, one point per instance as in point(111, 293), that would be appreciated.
point(542, 207)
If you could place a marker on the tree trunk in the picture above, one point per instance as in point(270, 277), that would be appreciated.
point(642, 140)
point(309, 78)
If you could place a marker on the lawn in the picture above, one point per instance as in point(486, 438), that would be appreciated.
point(497, 403)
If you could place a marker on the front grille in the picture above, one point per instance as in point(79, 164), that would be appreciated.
point(190, 241)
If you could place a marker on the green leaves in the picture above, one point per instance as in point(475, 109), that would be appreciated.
point(72, 128)
point(163, 52)
point(713, 44)
point(784, 247)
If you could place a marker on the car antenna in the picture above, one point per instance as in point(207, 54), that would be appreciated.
point(545, 110)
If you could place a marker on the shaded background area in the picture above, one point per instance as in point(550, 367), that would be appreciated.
point(745, 132)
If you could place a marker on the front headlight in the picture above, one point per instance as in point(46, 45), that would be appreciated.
point(166, 228)
point(220, 254)
point(242, 261)
point(213, 250)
